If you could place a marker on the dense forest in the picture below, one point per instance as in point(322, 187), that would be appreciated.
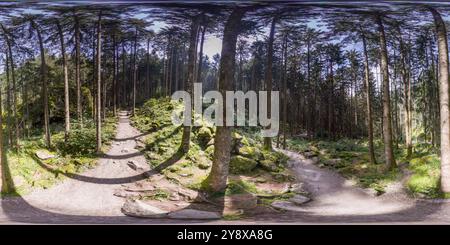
point(364, 90)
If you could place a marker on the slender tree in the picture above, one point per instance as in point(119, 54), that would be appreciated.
point(44, 83)
point(268, 76)
point(66, 81)
point(217, 179)
point(387, 122)
point(99, 84)
point(441, 34)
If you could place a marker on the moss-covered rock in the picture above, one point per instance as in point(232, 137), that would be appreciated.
point(204, 135)
point(284, 176)
point(240, 164)
point(275, 157)
point(250, 152)
point(209, 151)
point(268, 165)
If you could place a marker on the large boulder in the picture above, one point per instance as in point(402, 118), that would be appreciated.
point(204, 135)
point(299, 199)
point(137, 208)
point(275, 156)
point(268, 165)
point(44, 154)
point(209, 151)
point(240, 164)
point(193, 214)
point(250, 152)
point(286, 206)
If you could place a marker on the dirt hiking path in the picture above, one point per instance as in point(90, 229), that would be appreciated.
point(335, 199)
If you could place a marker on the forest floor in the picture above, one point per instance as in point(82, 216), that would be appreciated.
point(90, 197)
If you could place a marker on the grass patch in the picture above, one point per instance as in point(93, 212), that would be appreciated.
point(424, 180)
point(240, 187)
point(158, 194)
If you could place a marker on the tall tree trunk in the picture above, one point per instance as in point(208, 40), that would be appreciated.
point(192, 53)
point(6, 183)
point(268, 78)
point(124, 69)
point(11, 94)
point(115, 66)
point(441, 34)
point(77, 70)
point(387, 136)
point(8, 103)
point(147, 71)
point(284, 78)
point(99, 84)
point(200, 56)
point(217, 179)
point(134, 70)
point(66, 83)
point(93, 92)
point(44, 86)
point(367, 84)
point(406, 97)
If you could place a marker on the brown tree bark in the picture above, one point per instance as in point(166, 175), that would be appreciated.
point(200, 56)
point(407, 98)
point(44, 85)
point(387, 123)
point(77, 70)
point(11, 94)
point(284, 126)
point(9, 126)
point(66, 82)
point(115, 67)
point(192, 53)
point(441, 34)
point(99, 84)
point(134, 69)
point(147, 72)
point(217, 179)
point(268, 77)
point(368, 100)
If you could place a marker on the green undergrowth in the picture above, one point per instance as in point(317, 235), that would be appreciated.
point(425, 174)
point(351, 159)
point(191, 169)
point(28, 172)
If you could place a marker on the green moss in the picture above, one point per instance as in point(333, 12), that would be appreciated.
point(250, 152)
point(158, 194)
point(232, 216)
point(240, 187)
point(204, 135)
point(425, 175)
point(240, 164)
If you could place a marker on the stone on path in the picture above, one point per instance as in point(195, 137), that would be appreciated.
point(44, 155)
point(297, 188)
point(137, 208)
point(193, 214)
point(132, 165)
point(287, 206)
point(299, 199)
